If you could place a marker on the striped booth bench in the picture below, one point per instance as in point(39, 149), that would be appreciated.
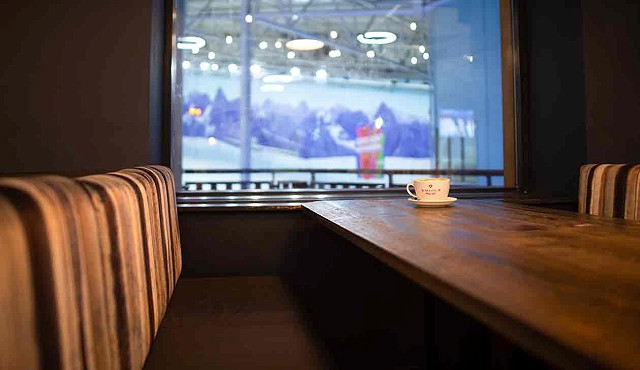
point(87, 268)
point(611, 190)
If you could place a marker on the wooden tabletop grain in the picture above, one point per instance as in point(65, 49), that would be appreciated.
point(564, 285)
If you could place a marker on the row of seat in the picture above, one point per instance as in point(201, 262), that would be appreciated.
point(610, 190)
point(87, 268)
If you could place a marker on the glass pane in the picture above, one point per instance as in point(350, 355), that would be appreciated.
point(344, 93)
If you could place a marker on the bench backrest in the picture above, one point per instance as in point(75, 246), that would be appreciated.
point(610, 190)
point(95, 259)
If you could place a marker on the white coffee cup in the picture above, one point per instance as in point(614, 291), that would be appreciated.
point(436, 188)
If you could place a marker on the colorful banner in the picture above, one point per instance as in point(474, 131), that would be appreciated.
point(370, 148)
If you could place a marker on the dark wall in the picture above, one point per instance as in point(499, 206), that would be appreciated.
point(235, 243)
point(76, 85)
point(612, 80)
point(581, 62)
point(553, 96)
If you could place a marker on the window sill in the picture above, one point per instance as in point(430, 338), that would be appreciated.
point(289, 200)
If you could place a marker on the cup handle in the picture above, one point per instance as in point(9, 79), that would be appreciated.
point(409, 191)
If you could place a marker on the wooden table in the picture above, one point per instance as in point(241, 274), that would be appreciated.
point(564, 285)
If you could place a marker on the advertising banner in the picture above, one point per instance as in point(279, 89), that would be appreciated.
point(370, 149)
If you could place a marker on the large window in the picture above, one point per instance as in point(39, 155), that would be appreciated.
point(334, 93)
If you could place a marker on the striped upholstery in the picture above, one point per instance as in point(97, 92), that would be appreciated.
point(610, 190)
point(88, 266)
point(19, 339)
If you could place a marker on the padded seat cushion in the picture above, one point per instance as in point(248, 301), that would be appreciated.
point(249, 322)
point(610, 190)
point(88, 267)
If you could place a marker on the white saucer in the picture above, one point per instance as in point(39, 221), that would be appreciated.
point(433, 203)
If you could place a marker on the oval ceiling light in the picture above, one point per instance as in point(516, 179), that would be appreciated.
point(376, 37)
point(304, 44)
point(191, 43)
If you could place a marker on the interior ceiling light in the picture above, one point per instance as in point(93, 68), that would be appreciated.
point(255, 69)
point(272, 88)
point(277, 79)
point(322, 74)
point(376, 37)
point(304, 44)
point(191, 43)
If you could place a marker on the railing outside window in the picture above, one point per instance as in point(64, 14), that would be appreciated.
point(277, 178)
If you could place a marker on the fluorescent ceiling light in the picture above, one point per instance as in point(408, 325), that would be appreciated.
point(321, 74)
point(379, 122)
point(255, 69)
point(334, 53)
point(295, 71)
point(272, 88)
point(304, 44)
point(191, 43)
point(376, 37)
point(277, 79)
